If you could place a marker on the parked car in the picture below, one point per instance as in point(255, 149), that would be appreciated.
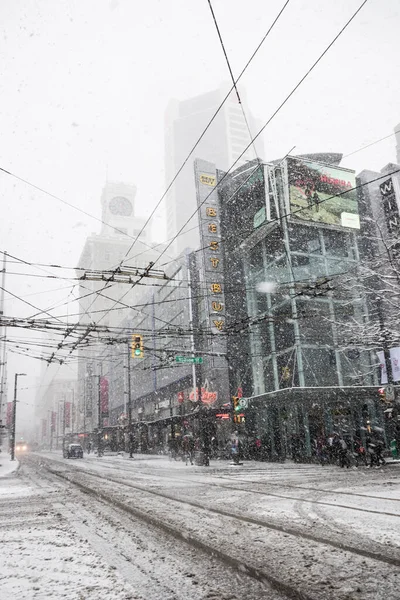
point(74, 451)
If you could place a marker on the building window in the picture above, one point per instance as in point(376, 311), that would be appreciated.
point(312, 312)
point(319, 365)
point(304, 239)
point(306, 267)
point(256, 258)
point(287, 369)
point(337, 243)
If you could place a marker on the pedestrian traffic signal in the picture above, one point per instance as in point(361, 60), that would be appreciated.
point(137, 346)
point(239, 418)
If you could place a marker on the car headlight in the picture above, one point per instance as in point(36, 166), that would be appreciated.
point(24, 448)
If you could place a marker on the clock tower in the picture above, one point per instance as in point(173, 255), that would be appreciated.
point(117, 201)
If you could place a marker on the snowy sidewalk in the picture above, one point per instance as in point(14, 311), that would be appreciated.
point(7, 466)
point(41, 554)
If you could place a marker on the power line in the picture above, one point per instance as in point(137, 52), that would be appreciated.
point(207, 127)
point(51, 195)
point(232, 77)
point(269, 120)
point(371, 144)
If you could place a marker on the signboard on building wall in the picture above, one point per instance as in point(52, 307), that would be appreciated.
point(211, 276)
point(322, 193)
point(390, 207)
point(210, 239)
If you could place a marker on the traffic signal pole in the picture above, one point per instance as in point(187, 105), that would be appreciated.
point(99, 420)
point(14, 415)
point(130, 432)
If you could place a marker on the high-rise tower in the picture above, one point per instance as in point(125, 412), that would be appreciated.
point(223, 143)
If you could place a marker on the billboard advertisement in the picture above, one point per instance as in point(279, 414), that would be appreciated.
point(322, 193)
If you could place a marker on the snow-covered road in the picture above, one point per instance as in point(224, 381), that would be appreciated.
point(151, 528)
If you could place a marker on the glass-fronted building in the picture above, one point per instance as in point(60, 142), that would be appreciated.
point(291, 238)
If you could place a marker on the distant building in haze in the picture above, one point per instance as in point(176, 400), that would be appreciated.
point(222, 144)
point(107, 305)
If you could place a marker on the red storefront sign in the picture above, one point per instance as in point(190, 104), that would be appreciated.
point(67, 414)
point(104, 397)
point(206, 396)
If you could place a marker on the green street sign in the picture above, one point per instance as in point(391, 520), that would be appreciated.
point(197, 360)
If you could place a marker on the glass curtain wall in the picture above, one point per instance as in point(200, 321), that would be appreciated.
point(314, 253)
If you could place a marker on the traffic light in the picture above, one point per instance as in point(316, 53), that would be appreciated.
point(235, 403)
point(137, 346)
point(382, 394)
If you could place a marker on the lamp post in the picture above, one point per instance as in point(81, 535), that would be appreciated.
point(14, 415)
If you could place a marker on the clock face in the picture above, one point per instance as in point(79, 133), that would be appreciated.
point(120, 206)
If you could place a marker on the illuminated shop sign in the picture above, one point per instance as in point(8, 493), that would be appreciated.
point(211, 277)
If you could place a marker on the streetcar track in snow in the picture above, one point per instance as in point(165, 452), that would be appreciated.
point(97, 538)
point(244, 568)
point(285, 497)
point(268, 482)
point(391, 560)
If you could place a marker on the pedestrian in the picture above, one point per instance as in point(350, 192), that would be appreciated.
point(371, 449)
point(343, 454)
point(379, 453)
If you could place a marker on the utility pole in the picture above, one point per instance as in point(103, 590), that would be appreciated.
point(72, 412)
point(63, 437)
point(99, 421)
point(14, 415)
point(197, 369)
point(130, 432)
point(4, 333)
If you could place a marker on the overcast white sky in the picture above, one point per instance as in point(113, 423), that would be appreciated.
point(84, 85)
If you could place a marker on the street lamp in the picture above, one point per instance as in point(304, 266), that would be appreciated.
point(14, 414)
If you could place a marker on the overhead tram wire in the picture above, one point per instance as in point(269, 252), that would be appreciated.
point(372, 143)
point(178, 172)
point(294, 212)
point(233, 79)
point(268, 121)
point(149, 304)
point(274, 114)
point(208, 126)
point(182, 166)
point(335, 275)
point(84, 212)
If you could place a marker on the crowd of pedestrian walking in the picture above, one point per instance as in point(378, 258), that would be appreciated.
point(336, 449)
